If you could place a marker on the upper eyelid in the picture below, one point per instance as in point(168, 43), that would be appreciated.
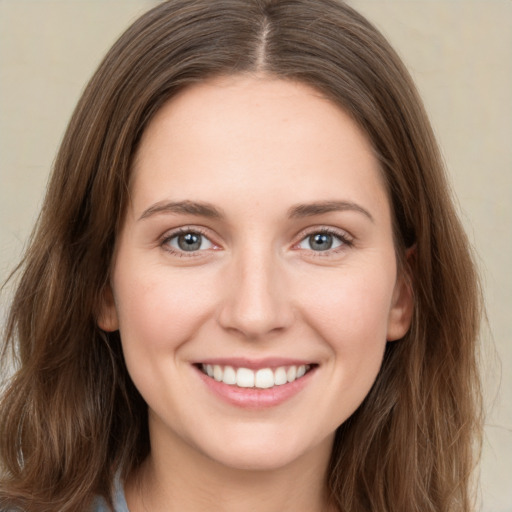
point(303, 232)
point(172, 233)
point(342, 233)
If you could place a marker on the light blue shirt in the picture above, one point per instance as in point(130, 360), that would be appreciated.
point(119, 500)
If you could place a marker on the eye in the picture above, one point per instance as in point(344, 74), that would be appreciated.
point(188, 241)
point(322, 241)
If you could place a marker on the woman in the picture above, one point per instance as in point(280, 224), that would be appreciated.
point(248, 288)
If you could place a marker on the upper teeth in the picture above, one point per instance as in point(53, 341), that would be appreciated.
point(262, 378)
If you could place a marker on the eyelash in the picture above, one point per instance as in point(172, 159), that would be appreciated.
point(343, 237)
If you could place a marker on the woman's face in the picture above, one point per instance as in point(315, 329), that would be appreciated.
point(257, 246)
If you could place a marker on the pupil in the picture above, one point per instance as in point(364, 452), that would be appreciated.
point(189, 242)
point(320, 242)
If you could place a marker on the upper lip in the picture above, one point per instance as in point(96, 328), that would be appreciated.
point(255, 364)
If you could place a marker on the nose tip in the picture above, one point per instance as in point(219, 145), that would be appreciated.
point(256, 303)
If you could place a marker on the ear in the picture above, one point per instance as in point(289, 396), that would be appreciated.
point(402, 307)
point(107, 317)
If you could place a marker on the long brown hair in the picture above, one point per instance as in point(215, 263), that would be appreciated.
point(70, 417)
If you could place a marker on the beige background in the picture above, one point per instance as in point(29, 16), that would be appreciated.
point(460, 54)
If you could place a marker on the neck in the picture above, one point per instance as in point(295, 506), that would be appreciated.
point(181, 479)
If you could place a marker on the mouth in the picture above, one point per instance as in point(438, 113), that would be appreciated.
point(262, 378)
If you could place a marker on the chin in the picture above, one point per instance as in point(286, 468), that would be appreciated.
point(268, 455)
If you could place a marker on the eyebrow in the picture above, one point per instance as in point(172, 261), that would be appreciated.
point(199, 209)
point(319, 208)
point(202, 209)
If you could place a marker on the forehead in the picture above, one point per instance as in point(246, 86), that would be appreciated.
point(257, 134)
point(245, 103)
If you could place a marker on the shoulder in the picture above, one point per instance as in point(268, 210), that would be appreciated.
point(6, 507)
point(100, 505)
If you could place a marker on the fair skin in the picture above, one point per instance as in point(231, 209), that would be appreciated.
point(259, 236)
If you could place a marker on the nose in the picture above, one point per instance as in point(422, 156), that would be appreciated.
point(256, 302)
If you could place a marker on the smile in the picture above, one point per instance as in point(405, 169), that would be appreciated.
point(263, 378)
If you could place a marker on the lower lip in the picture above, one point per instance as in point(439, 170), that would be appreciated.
point(255, 398)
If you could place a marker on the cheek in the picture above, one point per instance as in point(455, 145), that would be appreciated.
point(351, 319)
point(351, 312)
point(160, 308)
